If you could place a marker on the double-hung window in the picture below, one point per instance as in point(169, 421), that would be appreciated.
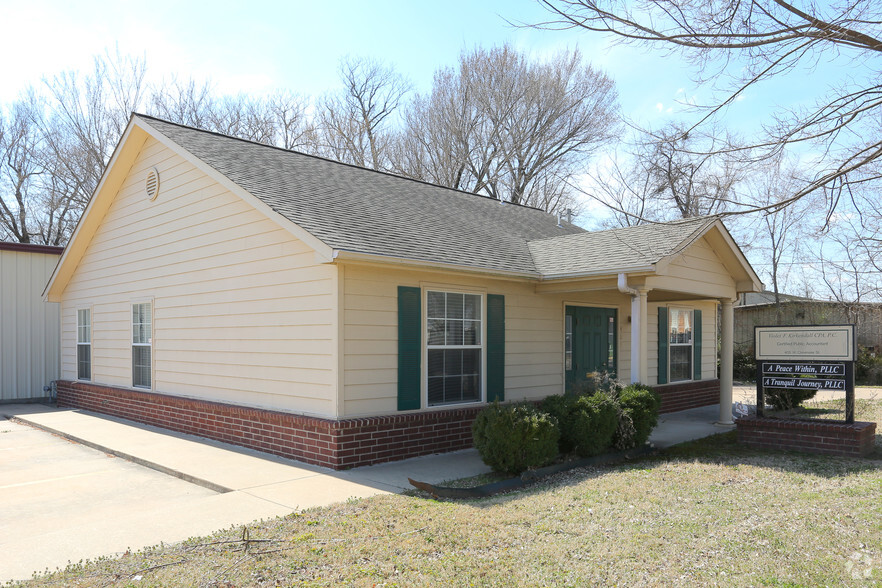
point(454, 347)
point(142, 344)
point(681, 332)
point(84, 344)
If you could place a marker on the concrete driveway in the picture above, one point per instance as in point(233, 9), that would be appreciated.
point(76, 485)
point(62, 501)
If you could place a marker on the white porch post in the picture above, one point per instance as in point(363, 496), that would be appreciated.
point(727, 349)
point(639, 335)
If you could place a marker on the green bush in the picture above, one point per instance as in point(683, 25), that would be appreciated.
point(512, 438)
point(787, 398)
point(868, 368)
point(593, 422)
point(587, 422)
point(560, 407)
point(744, 365)
point(638, 405)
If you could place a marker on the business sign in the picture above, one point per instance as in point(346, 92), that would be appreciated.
point(818, 357)
point(813, 343)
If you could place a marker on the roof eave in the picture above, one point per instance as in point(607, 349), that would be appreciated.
point(348, 255)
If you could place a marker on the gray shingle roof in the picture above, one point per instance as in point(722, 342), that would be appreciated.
point(363, 211)
point(359, 210)
point(615, 249)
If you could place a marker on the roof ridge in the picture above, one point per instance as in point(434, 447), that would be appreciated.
point(695, 219)
point(334, 161)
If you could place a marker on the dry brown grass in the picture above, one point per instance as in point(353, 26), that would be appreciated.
point(706, 513)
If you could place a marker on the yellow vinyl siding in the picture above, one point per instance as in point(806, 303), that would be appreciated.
point(241, 311)
point(533, 334)
point(29, 327)
point(697, 270)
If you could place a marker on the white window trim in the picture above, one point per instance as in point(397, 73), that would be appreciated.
point(691, 345)
point(152, 339)
point(82, 343)
point(424, 384)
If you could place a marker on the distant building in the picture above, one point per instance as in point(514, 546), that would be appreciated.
point(759, 309)
point(30, 335)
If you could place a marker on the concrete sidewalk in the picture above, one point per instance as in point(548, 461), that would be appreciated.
point(63, 502)
point(193, 486)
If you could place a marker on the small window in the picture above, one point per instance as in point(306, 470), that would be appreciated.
point(84, 344)
point(455, 349)
point(680, 327)
point(142, 343)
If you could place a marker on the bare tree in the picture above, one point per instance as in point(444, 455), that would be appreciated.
point(667, 174)
point(779, 237)
point(354, 124)
point(20, 168)
point(756, 40)
point(292, 127)
point(623, 185)
point(509, 127)
point(690, 171)
point(185, 102)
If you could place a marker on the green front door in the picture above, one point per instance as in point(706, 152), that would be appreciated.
point(590, 343)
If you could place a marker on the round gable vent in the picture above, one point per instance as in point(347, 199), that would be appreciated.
point(151, 185)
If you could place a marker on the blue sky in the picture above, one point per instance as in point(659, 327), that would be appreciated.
point(263, 45)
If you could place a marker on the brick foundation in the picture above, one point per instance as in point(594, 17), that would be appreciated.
point(833, 438)
point(336, 444)
point(677, 397)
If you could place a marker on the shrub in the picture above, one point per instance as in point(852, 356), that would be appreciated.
point(560, 407)
point(638, 406)
point(593, 422)
point(744, 365)
point(587, 423)
point(787, 398)
point(868, 368)
point(512, 438)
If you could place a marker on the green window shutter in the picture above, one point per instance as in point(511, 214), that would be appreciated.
point(495, 347)
point(696, 344)
point(662, 345)
point(410, 351)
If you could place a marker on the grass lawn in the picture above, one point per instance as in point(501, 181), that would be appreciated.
point(705, 513)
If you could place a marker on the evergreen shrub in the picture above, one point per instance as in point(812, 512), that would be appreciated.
point(512, 438)
point(638, 406)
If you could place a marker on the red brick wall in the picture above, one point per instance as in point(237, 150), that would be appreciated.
point(326, 442)
point(335, 444)
point(675, 397)
point(832, 438)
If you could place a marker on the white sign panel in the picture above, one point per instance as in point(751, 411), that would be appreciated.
point(812, 343)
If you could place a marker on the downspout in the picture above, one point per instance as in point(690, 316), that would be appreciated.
point(624, 288)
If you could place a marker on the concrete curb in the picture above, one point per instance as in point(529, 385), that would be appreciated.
point(122, 455)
